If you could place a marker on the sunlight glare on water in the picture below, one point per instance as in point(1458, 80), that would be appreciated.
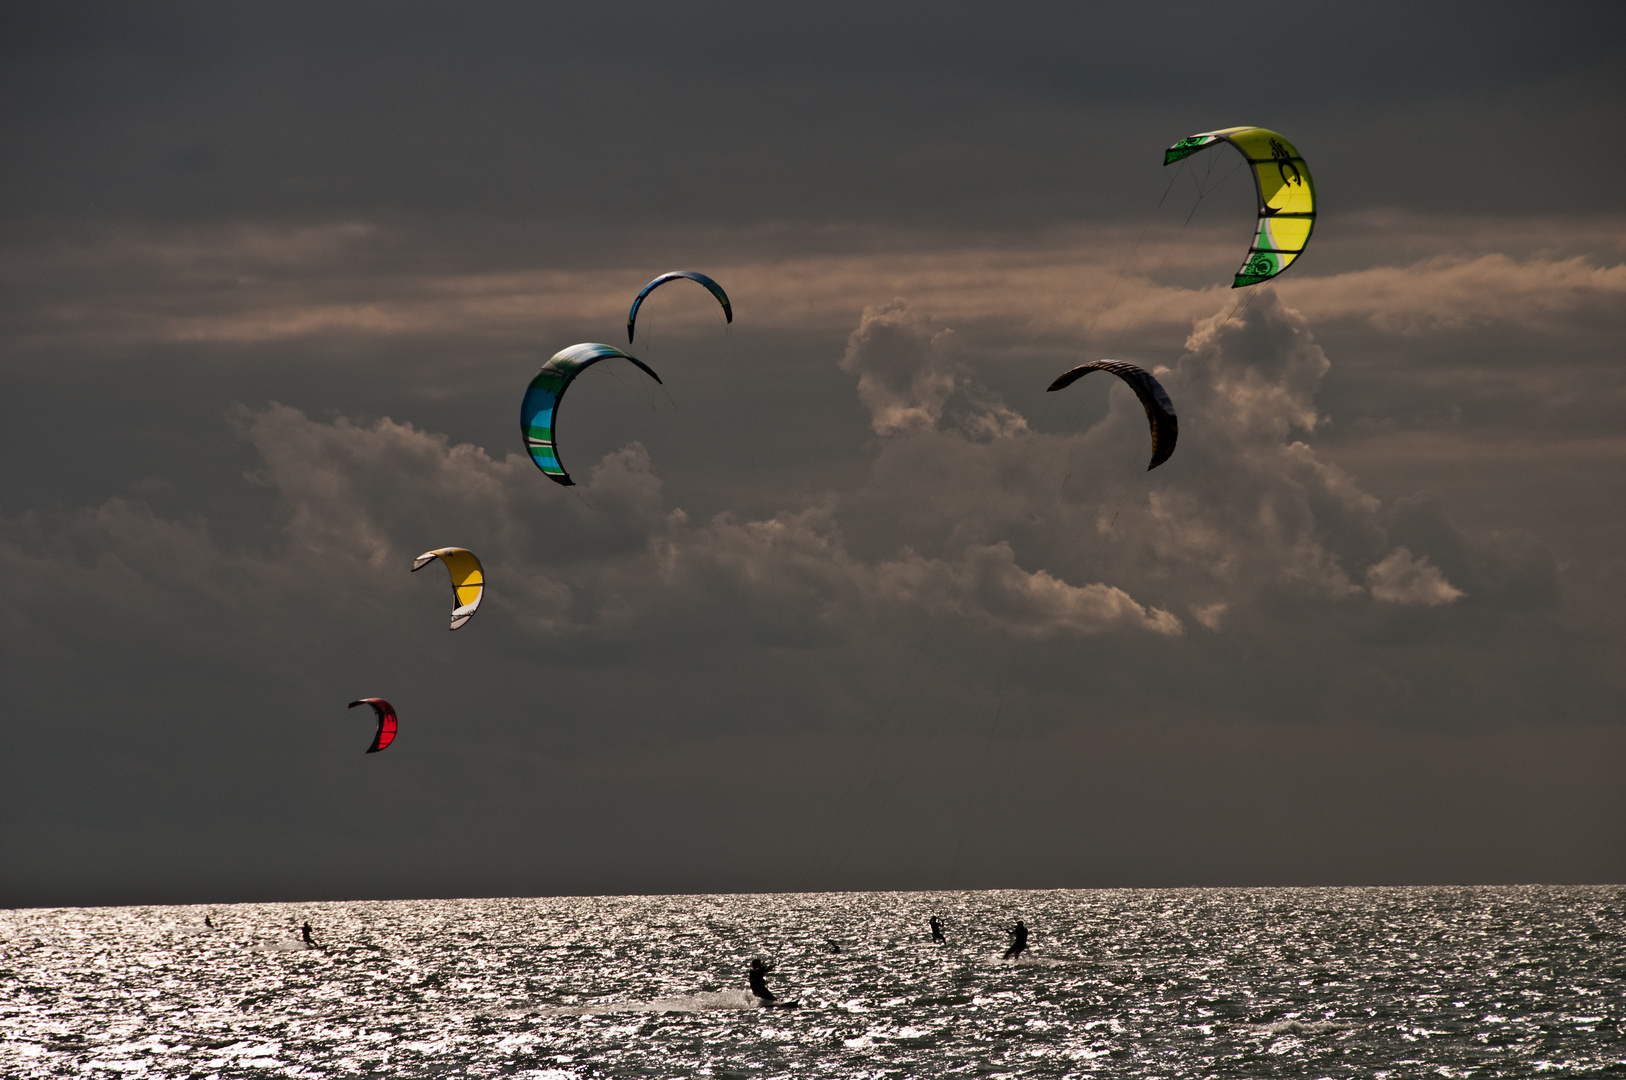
point(1382, 982)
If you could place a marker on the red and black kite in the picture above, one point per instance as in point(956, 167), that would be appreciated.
point(386, 722)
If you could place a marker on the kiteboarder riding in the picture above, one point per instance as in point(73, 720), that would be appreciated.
point(1019, 940)
point(937, 930)
point(308, 942)
point(760, 969)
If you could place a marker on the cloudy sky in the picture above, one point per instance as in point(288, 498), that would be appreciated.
point(849, 601)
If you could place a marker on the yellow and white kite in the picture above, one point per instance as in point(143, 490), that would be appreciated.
point(468, 579)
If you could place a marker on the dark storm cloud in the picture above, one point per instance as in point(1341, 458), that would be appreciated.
point(849, 601)
point(1251, 582)
point(648, 114)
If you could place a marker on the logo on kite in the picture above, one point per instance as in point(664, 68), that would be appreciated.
point(693, 275)
point(1284, 163)
point(1286, 193)
point(386, 722)
point(538, 412)
point(1188, 144)
point(468, 579)
point(1159, 409)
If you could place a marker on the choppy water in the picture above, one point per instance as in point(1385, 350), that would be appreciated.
point(1135, 983)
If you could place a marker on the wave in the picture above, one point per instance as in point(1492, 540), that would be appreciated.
point(282, 945)
point(1304, 1027)
point(702, 1001)
point(1030, 960)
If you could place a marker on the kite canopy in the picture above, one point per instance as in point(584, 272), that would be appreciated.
point(693, 275)
point(1286, 196)
point(537, 412)
point(468, 579)
point(386, 722)
point(1159, 409)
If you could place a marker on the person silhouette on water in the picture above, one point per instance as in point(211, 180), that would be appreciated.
point(831, 946)
point(1019, 940)
point(309, 943)
point(759, 972)
point(209, 922)
point(937, 930)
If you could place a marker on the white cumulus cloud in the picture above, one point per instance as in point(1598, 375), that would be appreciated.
point(1403, 578)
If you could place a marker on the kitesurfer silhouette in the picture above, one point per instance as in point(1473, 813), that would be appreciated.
point(207, 921)
point(1019, 940)
point(308, 942)
point(937, 930)
point(830, 943)
point(760, 969)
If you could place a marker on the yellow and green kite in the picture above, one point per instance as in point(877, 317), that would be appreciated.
point(1286, 196)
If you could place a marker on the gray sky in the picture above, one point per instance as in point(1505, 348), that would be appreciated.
point(849, 602)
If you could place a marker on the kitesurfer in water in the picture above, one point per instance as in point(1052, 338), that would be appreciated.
point(209, 922)
point(937, 930)
point(1019, 940)
point(759, 972)
point(832, 946)
point(309, 943)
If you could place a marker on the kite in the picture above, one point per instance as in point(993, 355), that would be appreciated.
point(1159, 409)
point(1286, 196)
point(468, 579)
point(386, 722)
point(693, 275)
point(537, 411)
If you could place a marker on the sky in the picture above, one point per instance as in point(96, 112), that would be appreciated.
point(847, 601)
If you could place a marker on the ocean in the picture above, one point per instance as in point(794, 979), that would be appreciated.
point(1326, 982)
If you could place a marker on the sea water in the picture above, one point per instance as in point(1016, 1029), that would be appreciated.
point(1379, 982)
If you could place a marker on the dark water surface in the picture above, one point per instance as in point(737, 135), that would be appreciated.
point(1391, 982)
